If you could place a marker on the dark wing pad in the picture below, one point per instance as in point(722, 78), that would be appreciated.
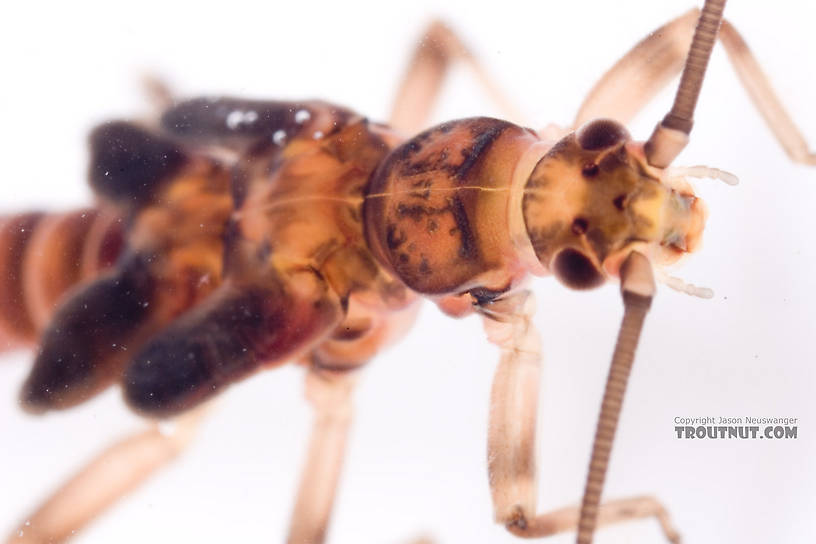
point(129, 163)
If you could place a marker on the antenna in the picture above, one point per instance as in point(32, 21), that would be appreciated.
point(672, 134)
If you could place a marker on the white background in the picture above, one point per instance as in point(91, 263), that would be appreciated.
point(417, 459)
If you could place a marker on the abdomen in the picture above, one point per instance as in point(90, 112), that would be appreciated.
point(42, 256)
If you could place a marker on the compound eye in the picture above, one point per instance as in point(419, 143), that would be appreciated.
point(601, 133)
point(575, 270)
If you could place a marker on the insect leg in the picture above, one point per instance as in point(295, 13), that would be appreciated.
point(110, 476)
point(660, 56)
point(329, 384)
point(330, 395)
point(512, 433)
point(764, 98)
point(653, 62)
point(434, 55)
point(157, 91)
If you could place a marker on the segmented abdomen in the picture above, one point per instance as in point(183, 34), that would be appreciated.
point(43, 255)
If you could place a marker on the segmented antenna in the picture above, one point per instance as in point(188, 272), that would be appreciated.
point(637, 283)
point(672, 134)
point(637, 289)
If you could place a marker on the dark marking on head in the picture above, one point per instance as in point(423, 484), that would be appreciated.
point(601, 133)
point(543, 238)
point(620, 202)
point(128, 163)
point(614, 160)
point(600, 243)
point(579, 225)
point(590, 170)
point(575, 270)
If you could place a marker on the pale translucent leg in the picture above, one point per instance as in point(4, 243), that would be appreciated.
point(609, 513)
point(330, 395)
point(654, 61)
point(438, 49)
point(762, 94)
point(512, 433)
point(157, 91)
point(640, 74)
point(423, 540)
point(109, 477)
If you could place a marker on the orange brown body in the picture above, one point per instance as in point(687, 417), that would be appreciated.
point(44, 256)
point(260, 232)
point(263, 232)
